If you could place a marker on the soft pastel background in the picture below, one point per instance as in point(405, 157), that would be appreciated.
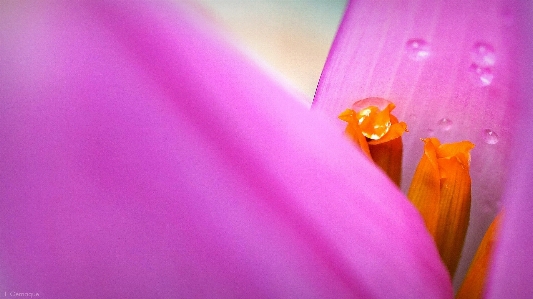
point(292, 37)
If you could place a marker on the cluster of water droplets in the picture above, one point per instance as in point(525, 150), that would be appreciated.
point(483, 59)
point(417, 49)
point(445, 125)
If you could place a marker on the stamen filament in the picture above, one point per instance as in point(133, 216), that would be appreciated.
point(377, 133)
point(441, 191)
point(476, 276)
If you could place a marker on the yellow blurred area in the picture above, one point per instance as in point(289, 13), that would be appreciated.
point(291, 36)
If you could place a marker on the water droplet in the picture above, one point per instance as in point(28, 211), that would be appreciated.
point(431, 133)
point(483, 54)
point(417, 49)
point(490, 136)
point(445, 124)
point(481, 76)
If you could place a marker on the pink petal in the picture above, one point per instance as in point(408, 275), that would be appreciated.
point(512, 273)
point(380, 50)
point(142, 157)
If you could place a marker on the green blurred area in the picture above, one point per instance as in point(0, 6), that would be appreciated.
point(292, 37)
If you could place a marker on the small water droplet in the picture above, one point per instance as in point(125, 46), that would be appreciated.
point(490, 136)
point(481, 76)
point(445, 124)
point(417, 49)
point(483, 54)
point(431, 133)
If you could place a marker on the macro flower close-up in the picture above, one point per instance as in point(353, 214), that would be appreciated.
point(147, 154)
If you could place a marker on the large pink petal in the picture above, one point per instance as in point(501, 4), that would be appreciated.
point(141, 157)
point(512, 274)
point(373, 56)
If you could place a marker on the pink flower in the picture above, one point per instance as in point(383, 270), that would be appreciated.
point(144, 157)
point(457, 70)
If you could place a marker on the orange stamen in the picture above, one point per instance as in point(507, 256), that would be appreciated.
point(377, 133)
point(441, 191)
point(476, 276)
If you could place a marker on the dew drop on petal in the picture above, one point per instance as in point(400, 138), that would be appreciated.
point(431, 133)
point(490, 137)
point(481, 76)
point(417, 49)
point(445, 124)
point(483, 54)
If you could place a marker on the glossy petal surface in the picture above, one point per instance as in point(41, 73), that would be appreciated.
point(448, 67)
point(512, 274)
point(142, 157)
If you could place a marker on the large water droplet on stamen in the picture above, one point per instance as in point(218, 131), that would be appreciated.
point(490, 137)
point(445, 124)
point(481, 76)
point(417, 49)
point(483, 54)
